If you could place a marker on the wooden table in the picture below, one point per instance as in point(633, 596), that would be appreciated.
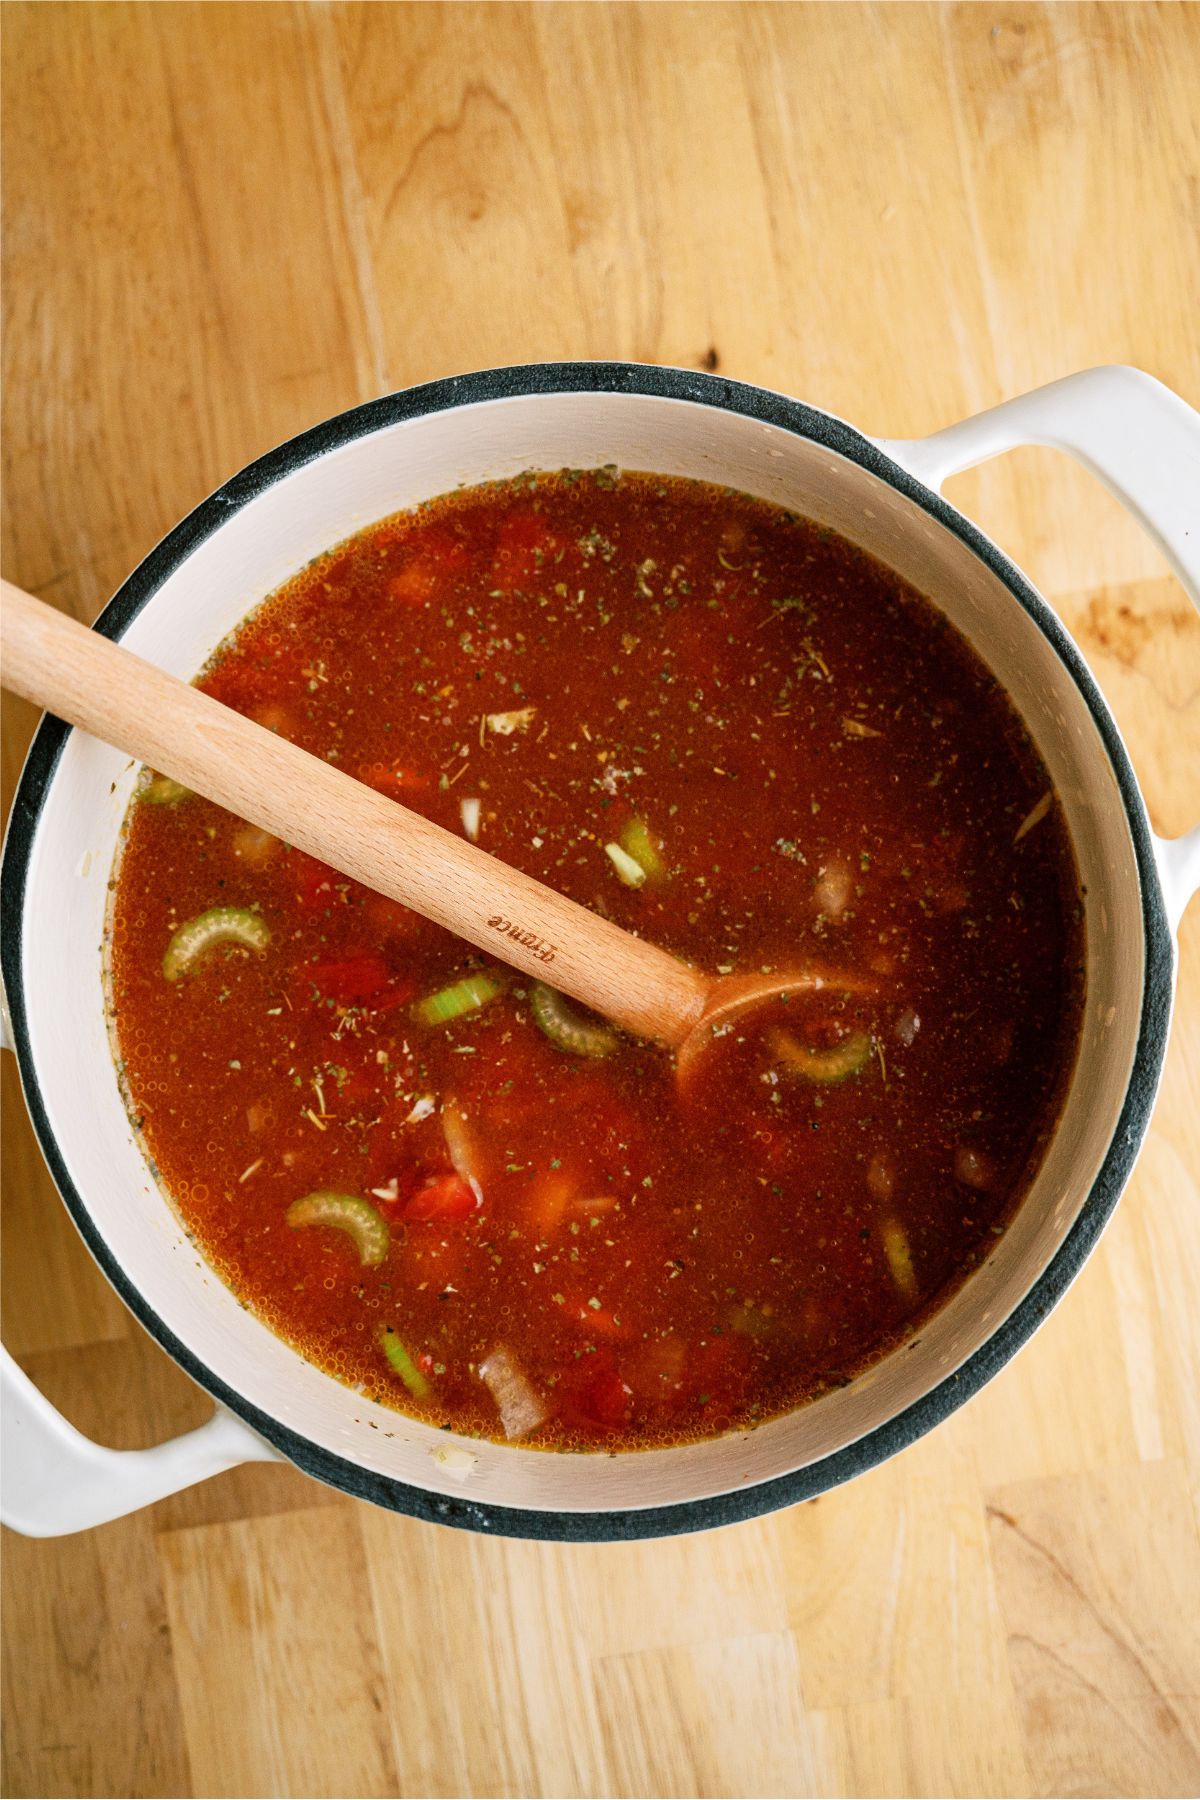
point(226, 222)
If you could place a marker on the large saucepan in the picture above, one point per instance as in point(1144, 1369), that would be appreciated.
point(301, 499)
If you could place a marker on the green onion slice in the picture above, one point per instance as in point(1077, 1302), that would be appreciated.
point(220, 925)
point(845, 1059)
point(565, 1028)
point(403, 1364)
point(465, 996)
point(348, 1213)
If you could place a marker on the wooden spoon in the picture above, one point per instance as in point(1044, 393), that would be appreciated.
point(89, 681)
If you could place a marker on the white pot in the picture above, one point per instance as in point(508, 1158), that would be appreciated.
point(264, 525)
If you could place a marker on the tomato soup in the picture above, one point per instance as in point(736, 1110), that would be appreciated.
point(726, 730)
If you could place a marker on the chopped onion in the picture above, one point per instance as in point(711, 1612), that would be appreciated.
point(423, 1109)
point(463, 1156)
point(505, 723)
point(832, 889)
point(470, 810)
point(520, 1409)
point(628, 871)
point(973, 1168)
point(907, 1027)
point(895, 1248)
point(881, 1178)
point(1034, 817)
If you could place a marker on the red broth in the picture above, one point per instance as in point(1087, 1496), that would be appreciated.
point(721, 727)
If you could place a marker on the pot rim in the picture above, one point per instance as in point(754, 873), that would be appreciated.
point(922, 1415)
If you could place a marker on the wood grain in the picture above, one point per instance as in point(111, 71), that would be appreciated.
point(224, 222)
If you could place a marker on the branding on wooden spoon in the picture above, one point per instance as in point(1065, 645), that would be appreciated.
point(529, 939)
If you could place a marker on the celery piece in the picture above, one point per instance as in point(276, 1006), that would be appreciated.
point(220, 925)
point(565, 1028)
point(348, 1213)
point(465, 996)
point(403, 1364)
point(845, 1059)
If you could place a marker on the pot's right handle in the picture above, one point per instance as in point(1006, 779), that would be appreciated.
point(1143, 442)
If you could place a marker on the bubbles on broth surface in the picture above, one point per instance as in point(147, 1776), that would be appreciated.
point(799, 763)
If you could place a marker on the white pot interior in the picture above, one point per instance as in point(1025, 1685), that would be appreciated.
point(245, 559)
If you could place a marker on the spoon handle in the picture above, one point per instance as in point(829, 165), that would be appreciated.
point(84, 678)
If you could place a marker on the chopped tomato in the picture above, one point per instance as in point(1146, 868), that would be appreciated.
point(656, 1370)
point(389, 919)
point(441, 555)
point(597, 1319)
point(392, 781)
point(448, 1197)
point(525, 545)
point(360, 979)
point(274, 717)
point(411, 1150)
point(606, 1400)
point(315, 889)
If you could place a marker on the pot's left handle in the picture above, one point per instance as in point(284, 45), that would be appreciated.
point(53, 1480)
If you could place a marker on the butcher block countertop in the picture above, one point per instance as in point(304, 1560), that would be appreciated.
point(226, 222)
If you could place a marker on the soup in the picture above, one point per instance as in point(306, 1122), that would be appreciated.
point(727, 730)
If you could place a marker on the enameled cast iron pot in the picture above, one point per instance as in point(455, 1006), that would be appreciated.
point(303, 498)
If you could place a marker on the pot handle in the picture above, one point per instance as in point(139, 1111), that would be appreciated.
point(1143, 442)
point(53, 1480)
point(1136, 436)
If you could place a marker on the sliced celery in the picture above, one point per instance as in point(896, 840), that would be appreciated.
point(564, 1026)
point(348, 1213)
point(403, 1364)
point(465, 996)
point(845, 1059)
point(220, 925)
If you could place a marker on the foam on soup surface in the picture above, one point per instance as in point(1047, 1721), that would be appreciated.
point(726, 730)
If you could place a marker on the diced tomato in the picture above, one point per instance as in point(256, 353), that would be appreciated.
point(315, 880)
point(360, 979)
point(656, 1370)
point(389, 919)
point(606, 1400)
point(440, 556)
point(393, 781)
point(525, 545)
point(546, 1200)
point(274, 717)
point(599, 1321)
point(448, 1197)
point(349, 980)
